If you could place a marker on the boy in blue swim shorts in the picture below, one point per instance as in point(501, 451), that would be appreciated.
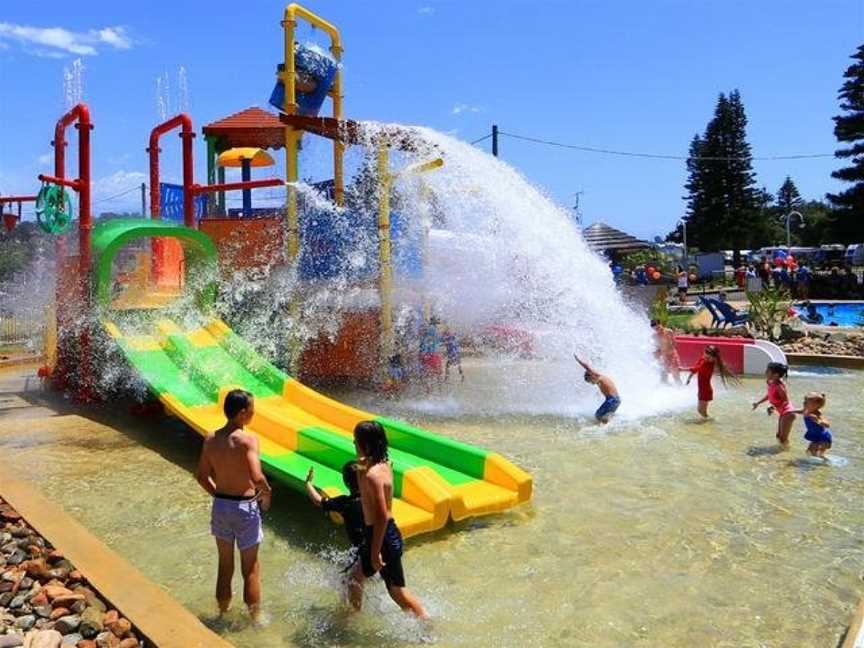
point(604, 383)
point(230, 470)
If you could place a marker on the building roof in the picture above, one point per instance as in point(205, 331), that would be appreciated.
point(600, 237)
point(254, 127)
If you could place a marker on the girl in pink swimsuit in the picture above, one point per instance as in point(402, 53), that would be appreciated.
point(779, 399)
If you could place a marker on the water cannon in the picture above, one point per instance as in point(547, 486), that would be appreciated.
point(314, 75)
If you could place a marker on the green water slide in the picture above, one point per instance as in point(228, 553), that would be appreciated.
point(190, 369)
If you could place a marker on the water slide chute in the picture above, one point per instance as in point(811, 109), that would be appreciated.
point(190, 369)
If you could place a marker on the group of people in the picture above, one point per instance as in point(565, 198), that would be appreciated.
point(229, 469)
point(818, 432)
point(439, 353)
point(798, 278)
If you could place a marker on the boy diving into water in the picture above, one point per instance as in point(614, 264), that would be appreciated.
point(606, 387)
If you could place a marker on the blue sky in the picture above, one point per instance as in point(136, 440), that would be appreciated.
point(617, 75)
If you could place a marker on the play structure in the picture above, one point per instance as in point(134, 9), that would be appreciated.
point(745, 356)
point(148, 287)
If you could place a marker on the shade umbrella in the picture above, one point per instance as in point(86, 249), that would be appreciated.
point(245, 157)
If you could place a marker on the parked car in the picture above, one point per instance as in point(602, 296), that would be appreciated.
point(855, 254)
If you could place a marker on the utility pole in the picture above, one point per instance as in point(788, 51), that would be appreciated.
point(576, 209)
point(143, 200)
point(495, 140)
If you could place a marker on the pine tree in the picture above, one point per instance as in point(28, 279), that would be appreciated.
point(788, 198)
point(723, 205)
point(849, 129)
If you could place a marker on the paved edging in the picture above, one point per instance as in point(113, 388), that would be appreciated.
point(842, 361)
point(855, 633)
point(162, 620)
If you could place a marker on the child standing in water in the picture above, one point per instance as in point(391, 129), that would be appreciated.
point(606, 387)
point(230, 470)
point(454, 355)
point(381, 551)
point(818, 428)
point(710, 362)
point(779, 399)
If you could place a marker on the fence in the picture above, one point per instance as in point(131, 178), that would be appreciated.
point(22, 330)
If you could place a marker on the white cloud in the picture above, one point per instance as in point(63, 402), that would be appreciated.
point(118, 189)
point(460, 108)
point(44, 159)
point(60, 41)
point(426, 11)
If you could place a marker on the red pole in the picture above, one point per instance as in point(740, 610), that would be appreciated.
point(185, 123)
point(233, 186)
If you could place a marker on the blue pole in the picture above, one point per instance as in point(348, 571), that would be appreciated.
point(246, 176)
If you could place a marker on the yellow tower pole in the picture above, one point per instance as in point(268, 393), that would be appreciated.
point(289, 106)
point(385, 266)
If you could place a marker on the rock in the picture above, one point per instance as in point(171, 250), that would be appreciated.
point(43, 639)
point(91, 622)
point(793, 329)
point(72, 639)
point(25, 622)
point(11, 640)
point(129, 642)
point(5, 598)
point(53, 591)
point(121, 627)
point(66, 601)
point(111, 616)
point(44, 624)
point(86, 643)
point(17, 602)
point(79, 606)
point(16, 557)
point(44, 611)
point(76, 575)
point(54, 555)
point(107, 640)
point(37, 568)
point(67, 624)
point(39, 599)
point(18, 531)
point(25, 583)
point(6, 586)
point(8, 514)
point(59, 612)
point(91, 598)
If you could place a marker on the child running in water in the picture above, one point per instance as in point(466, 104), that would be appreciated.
point(606, 387)
point(818, 428)
point(666, 353)
point(710, 362)
point(779, 399)
point(381, 551)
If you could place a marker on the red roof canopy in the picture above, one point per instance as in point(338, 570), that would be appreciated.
point(251, 127)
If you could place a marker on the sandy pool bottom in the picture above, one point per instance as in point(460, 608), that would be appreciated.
point(658, 532)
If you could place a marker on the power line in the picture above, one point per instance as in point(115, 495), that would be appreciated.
point(118, 195)
point(658, 156)
point(477, 141)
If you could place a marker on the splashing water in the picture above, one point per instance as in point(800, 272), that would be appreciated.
point(182, 90)
point(503, 254)
point(73, 83)
point(163, 96)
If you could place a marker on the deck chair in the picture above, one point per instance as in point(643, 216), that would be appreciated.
point(715, 316)
point(729, 315)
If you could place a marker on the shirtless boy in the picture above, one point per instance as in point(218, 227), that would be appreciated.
point(666, 353)
point(606, 387)
point(230, 470)
point(381, 551)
